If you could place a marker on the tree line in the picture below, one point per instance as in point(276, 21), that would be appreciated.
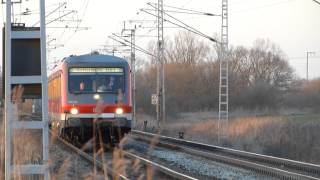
point(260, 77)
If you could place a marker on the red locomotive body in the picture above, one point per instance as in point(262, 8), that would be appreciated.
point(90, 88)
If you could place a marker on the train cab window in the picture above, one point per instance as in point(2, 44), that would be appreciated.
point(109, 83)
point(92, 80)
point(81, 86)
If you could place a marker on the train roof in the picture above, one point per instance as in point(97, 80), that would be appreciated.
point(95, 58)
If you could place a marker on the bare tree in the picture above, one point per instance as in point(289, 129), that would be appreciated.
point(259, 75)
point(186, 49)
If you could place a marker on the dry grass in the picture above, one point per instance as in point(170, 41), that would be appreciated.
point(27, 149)
point(283, 136)
point(294, 137)
point(26, 145)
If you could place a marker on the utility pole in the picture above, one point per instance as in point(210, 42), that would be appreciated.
point(133, 70)
point(307, 70)
point(223, 123)
point(160, 107)
point(133, 75)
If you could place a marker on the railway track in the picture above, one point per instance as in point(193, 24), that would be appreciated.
point(266, 165)
point(158, 170)
point(87, 157)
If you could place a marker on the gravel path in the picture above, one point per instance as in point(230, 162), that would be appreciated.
point(195, 166)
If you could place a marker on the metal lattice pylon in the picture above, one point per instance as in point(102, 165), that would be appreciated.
point(223, 86)
point(160, 66)
point(133, 76)
point(13, 170)
point(133, 72)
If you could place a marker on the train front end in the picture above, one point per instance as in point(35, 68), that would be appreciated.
point(97, 97)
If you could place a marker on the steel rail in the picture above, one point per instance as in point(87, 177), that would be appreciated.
point(159, 167)
point(90, 159)
point(278, 167)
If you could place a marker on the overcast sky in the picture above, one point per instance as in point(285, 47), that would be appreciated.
point(294, 25)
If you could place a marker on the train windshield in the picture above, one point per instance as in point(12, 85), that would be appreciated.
point(96, 80)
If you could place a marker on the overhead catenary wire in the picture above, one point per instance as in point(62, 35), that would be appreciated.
point(146, 34)
point(66, 14)
point(84, 13)
point(184, 10)
point(153, 27)
point(67, 27)
point(141, 20)
point(113, 48)
point(77, 27)
point(183, 27)
point(316, 1)
point(130, 43)
point(178, 20)
point(78, 23)
point(188, 26)
point(123, 43)
point(36, 11)
point(166, 20)
point(64, 32)
point(53, 11)
point(137, 48)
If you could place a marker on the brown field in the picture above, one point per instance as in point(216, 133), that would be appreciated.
point(288, 136)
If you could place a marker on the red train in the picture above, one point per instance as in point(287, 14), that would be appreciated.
point(90, 88)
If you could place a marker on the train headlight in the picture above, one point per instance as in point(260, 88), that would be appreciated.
point(96, 96)
point(74, 111)
point(119, 111)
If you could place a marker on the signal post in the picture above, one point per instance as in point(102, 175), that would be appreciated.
point(25, 81)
